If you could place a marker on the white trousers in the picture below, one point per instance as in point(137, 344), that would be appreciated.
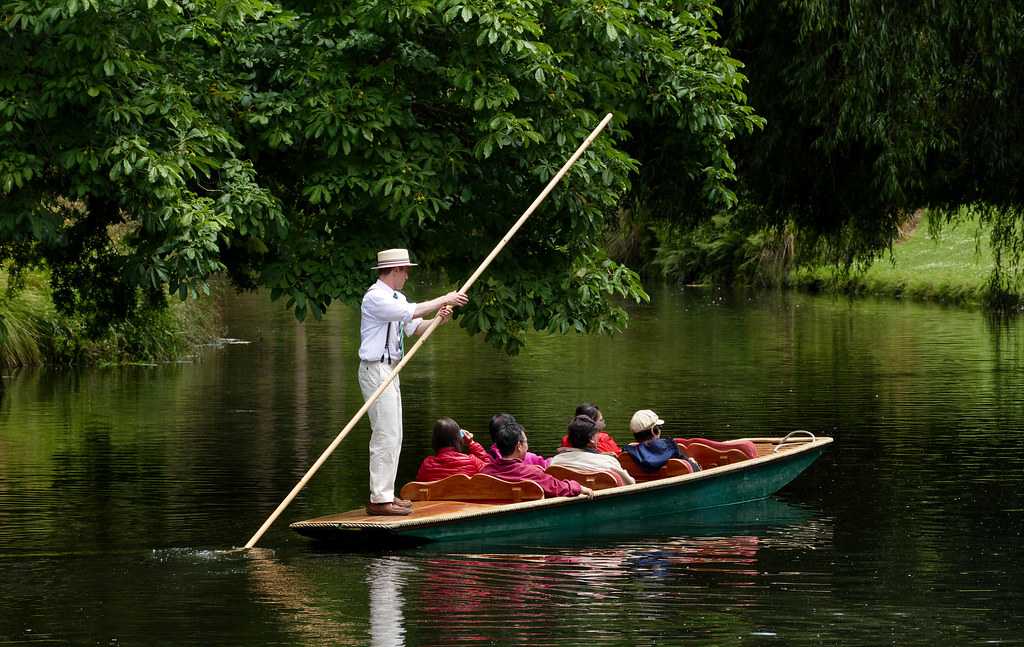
point(386, 429)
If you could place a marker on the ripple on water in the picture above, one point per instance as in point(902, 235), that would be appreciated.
point(166, 555)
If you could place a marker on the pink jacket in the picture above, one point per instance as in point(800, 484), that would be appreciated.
point(529, 459)
point(513, 469)
point(449, 461)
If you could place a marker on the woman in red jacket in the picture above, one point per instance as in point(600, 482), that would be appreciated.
point(455, 452)
point(605, 443)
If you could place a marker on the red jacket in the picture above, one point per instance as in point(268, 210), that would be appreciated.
point(513, 469)
point(605, 443)
point(450, 461)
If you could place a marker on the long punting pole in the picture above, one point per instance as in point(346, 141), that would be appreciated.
point(426, 334)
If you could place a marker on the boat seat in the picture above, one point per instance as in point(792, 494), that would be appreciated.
point(674, 467)
point(745, 446)
point(479, 487)
point(708, 456)
point(594, 480)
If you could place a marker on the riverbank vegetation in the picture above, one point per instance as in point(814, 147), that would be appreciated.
point(720, 252)
point(950, 264)
point(875, 110)
point(34, 332)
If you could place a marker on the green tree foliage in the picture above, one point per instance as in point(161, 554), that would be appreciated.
point(118, 162)
point(876, 109)
point(149, 143)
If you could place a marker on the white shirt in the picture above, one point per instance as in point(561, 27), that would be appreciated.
point(589, 461)
point(383, 306)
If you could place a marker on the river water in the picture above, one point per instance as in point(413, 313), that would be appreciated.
point(122, 489)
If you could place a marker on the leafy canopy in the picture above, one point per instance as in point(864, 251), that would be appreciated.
point(876, 109)
point(146, 144)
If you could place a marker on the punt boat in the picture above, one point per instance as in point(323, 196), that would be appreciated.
point(448, 519)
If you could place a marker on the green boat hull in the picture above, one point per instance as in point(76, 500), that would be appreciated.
point(618, 510)
point(580, 516)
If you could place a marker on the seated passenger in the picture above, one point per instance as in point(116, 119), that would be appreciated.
point(584, 455)
point(511, 442)
point(455, 452)
point(498, 421)
point(651, 451)
point(604, 443)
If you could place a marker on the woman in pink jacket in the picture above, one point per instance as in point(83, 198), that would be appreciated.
point(513, 445)
point(455, 452)
point(498, 422)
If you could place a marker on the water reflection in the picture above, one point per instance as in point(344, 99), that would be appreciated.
point(537, 594)
point(906, 531)
point(294, 598)
point(386, 577)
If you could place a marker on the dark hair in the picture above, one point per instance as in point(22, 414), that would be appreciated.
point(508, 437)
point(447, 433)
point(581, 430)
point(498, 421)
point(646, 434)
point(593, 412)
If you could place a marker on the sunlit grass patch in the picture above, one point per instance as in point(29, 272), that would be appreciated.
point(952, 267)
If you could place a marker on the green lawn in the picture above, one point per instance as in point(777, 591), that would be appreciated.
point(952, 267)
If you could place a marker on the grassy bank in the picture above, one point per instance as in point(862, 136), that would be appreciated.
point(954, 267)
point(32, 332)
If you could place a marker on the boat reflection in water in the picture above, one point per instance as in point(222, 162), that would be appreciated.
point(522, 593)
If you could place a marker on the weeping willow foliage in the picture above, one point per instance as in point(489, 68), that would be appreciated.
point(875, 109)
point(721, 252)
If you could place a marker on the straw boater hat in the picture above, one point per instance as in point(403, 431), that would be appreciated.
point(393, 258)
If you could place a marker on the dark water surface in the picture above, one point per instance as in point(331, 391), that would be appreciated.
point(120, 488)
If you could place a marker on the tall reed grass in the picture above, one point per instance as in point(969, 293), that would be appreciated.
point(26, 322)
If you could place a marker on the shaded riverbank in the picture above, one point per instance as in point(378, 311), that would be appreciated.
point(952, 268)
point(33, 333)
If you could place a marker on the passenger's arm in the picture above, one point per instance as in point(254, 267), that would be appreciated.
point(627, 478)
point(476, 449)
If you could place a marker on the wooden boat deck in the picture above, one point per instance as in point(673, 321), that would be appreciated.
point(420, 510)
